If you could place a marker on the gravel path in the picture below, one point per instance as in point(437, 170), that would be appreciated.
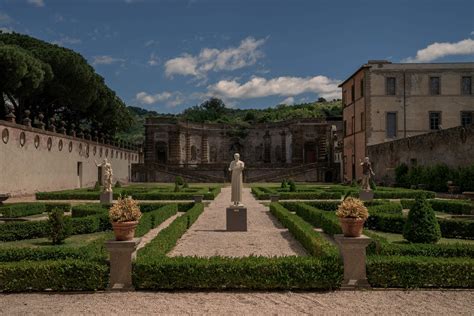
point(265, 235)
point(242, 303)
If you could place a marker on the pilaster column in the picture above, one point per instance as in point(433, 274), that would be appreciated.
point(283, 146)
point(188, 147)
point(204, 149)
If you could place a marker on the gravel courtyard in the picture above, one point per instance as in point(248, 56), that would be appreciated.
point(242, 303)
point(207, 237)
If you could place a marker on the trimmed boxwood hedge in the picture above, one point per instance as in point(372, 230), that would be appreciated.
point(381, 246)
point(32, 208)
point(328, 221)
point(152, 219)
point(137, 194)
point(445, 206)
point(311, 240)
point(56, 275)
point(154, 271)
point(253, 273)
point(417, 272)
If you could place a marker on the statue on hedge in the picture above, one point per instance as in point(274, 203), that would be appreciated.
point(107, 174)
point(367, 173)
point(236, 167)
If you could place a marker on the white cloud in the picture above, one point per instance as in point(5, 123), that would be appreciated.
point(37, 3)
point(154, 60)
point(67, 40)
point(258, 87)
point(212, 59)
point(5, 18)
point(171, 99)
point(472, 33)
point(438, 50)
point(288, 101)
point(106, 60)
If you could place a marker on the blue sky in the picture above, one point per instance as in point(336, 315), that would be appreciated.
point(169, 55)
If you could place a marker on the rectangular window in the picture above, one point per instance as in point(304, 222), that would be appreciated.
point(435, 120)
point(466, 118)
point(435, 86)
point(391, 124)
point(353, 125)
point(466, 86)
point(361, 87)
point(391, 86)
point(362, 121)
point(352, 93)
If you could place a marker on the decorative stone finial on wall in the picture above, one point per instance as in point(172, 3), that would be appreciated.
point(10, 117)
point(27, 120)
point(96, 136)
point(40, 124)
point(62, 129)
point(51, 127)
point(72, 131)
point(81, 132)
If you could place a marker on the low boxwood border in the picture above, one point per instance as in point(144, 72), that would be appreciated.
point(420, 272)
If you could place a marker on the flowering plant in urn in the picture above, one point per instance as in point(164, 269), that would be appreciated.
point(124, 216)
point(352, 214)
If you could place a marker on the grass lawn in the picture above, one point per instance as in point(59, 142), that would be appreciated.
point(71, 242)
point(398, 238)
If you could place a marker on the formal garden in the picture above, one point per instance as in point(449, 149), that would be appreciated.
point(417, 240)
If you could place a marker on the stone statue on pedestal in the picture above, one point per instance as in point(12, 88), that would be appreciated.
point(367, 173)
point(107, 173)
point(236, 167)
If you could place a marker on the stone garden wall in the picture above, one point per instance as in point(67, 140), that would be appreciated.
point(453, 146)
point(32, 160)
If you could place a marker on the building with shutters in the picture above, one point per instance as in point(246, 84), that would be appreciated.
point(384, 101)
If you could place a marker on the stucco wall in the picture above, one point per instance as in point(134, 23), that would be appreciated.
point(454, 147)
point(44, 166)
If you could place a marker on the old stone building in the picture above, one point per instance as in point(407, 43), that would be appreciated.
point(384, 101)
point(301, 149)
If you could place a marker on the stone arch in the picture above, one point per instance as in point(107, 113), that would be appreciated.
point(161, 152)
point(310, 152)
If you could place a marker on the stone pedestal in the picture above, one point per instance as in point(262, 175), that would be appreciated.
point(274, 198)
point(106, 197)
point(366, 195)
point(236, 218)
point(197, 198)
point(352, 250)
point(121, 263)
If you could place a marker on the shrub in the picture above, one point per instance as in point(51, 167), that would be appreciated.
point(118, 184)
point(23, 230)
point(60, 227)
point(416, 272)
point(401, 175)
point(97, 186)
point(421, 225)
point(57, 275)
point(292, 186)
point(311, 240)
point(284, 185)
point(252, 273)
point(446, 206)
point(83, 210)
point(22, 209)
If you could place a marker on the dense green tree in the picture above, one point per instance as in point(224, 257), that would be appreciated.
point(63, 85)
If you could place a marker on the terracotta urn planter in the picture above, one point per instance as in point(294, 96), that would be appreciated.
point(351, 227)
point(124, 231)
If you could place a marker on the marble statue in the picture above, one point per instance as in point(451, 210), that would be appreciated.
point(236, 167)
point(107, 173)
point(367, 173)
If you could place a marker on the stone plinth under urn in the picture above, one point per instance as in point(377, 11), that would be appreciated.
point(366, 195)
point(121, 263)
point(106, 197)
point(352, 250)
point(236, 218)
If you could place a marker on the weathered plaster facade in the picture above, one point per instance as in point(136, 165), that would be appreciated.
point(453, 146)
point(33, 160)
point(369, 102)
point(207, 149)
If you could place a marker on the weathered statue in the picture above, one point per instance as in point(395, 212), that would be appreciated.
point(236, 167)
point(367, 173)
point(107, 174)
